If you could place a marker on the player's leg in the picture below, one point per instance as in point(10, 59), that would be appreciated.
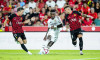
point(73, 37)
point(80, 43)
point(50, 43)
point(53, 38)
point(23, 37)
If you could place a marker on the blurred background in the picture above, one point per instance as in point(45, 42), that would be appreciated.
point(39, 12)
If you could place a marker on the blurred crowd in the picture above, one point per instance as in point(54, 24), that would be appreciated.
point(39, 10)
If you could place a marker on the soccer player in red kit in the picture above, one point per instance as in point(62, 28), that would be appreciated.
point(17, 22)
point(72, 18)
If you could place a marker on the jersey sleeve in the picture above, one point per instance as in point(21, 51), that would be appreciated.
point(77, 12)
point(59, 20)
point(49, 24)
point(10, 17)
point(23, 16)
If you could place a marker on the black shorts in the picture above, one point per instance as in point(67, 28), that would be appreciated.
point(75, 33)
point(21, 35)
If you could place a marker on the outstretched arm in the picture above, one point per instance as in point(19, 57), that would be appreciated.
point(26, 21)
point(46, 35)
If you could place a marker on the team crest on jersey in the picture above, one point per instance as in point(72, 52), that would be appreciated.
point(20, 18)
point(74, 14)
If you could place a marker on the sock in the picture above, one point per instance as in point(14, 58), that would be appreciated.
point(24, 48)
point(81, 43)
point(74, 42)
point(50, 44)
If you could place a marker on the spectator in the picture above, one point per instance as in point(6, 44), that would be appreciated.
point(97, 7)
point(49, 15)
point(45, 20)
point(22, 3)
point(32, 4)
point(30, 14)
point(41, 4)
point(87, 22)
point(58, 10)
point(90, 3)
point(97, 21)
point(15, 9)
point(26, 9)
point(1, 19)
point(95, 0)
point(76, 7)
point(37, 11)
point(37, 22)
point(79, 5)
point(85, 9)
point(93, 14)
point(49, 8)
point(12, 11)
point(72, 3)
point(50, 3)
point(45, 1)
point(60, 3)
point(46, 7)
point(42, 13)
point(3, 3)
point(7, 9)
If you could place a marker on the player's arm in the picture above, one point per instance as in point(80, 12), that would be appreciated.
point(59, 26)
point(59, 22)
point(26, 21)
point(46, 34)
point(84, 15)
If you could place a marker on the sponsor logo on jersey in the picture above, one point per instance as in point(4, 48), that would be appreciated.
point(74, 14)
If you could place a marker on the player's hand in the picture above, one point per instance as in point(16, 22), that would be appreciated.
point(45, 38)
point(26, 21)
point(52, 27)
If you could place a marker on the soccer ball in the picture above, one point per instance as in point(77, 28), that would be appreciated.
point(45, 51)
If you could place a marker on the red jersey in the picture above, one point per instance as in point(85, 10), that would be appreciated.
point(73, 20)
point(45, 22)
point(94, 15)
point(41, 16)
point(41, 5)
point(16, 23)
point(87, 23)
point(72, 3)
point(86, 10)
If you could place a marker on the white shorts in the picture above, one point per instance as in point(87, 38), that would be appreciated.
point(54, 35)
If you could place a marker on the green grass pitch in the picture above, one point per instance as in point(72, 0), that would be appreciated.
point(54, 55)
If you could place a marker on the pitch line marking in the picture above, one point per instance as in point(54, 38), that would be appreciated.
point(82, 59)
point(48, 54)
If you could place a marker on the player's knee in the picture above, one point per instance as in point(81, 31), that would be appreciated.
point(74, 41)
point(20, 40)
point(49, 37)
point(80, 35)
point(25, 42)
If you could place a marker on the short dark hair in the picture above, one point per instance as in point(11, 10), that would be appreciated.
point(66, 7)
point(76, 3)
point(19, 9)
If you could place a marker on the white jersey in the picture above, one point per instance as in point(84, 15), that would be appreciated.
point(54, 22)
point(54, 32)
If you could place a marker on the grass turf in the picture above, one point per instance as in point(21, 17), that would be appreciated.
point(54, 55)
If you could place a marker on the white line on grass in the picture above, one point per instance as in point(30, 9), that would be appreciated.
point(49, 53)
point(82, 59)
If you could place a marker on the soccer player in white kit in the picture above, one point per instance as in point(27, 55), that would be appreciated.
point(54, 25)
